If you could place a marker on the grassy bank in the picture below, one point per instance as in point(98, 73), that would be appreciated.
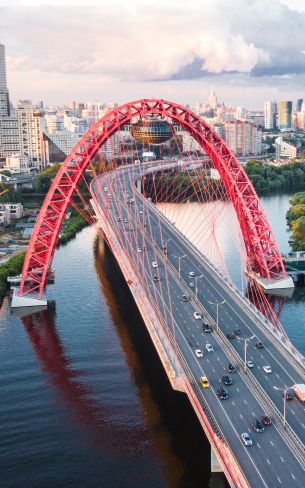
point(12, 267)
point(296, 221)
point(71, 228)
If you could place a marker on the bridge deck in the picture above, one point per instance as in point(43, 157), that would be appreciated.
point(277, 457)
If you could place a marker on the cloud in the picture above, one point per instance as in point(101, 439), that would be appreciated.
point(127, 40)
point(115, 41)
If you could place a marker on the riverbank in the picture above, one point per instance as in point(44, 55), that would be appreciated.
point(12, 267)
point(71, 228)
point(296, 221)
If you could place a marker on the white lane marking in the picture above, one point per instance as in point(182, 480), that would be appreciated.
point(237, 389)
point(240, 415)
point(258, 445)
point(271, 443)
point(279, 480)
point(292, 411)
point(281, 459)
point(233, 404)
point(293, 476)
point(303, 426)
point(245, 401)
point(268, 461)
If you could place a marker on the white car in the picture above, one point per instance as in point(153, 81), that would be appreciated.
point(139, 250)
point(199, 353)
point(209, 347)
point(191, 284)
point(154, 264)
point(126, 221)
point(191, 273)
point(267, 369)
point(197, 315)
point(247, 439)
point(141, 212)
point(250, 364)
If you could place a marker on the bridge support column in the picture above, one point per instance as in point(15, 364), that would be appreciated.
point(139, 185)
point(215, 465)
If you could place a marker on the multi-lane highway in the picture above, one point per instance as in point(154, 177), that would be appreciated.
point(277, 456)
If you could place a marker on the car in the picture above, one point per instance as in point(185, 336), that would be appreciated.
point(204, 382)
point(199, 353)
point(227, 380)
point(156, 278)
point(209, 347)
point(265, 420)
point(237, 332)
point(259, 344)
point(231, 368)
point(154, 264)
point(289, 395)
point(119, 219)
point(105, 188)
point(191, 284)
point(197, 315)
point(247, 439)
point(126, 228)
point(141, 212)
point(191, 273)
point(222, 393)
point(250, 364)
point(139, 250)
point(184, 298)
point(126, 221)
point(257, 425)
point(267, 369)
point(207, 328)
point(230, 335)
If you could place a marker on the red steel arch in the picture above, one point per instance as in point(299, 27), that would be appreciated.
point(261, 247)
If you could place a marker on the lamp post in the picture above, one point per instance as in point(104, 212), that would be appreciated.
point(217, 312)
point(179, 264)
point(196, 284)
point(285, 399)
point(245, 350)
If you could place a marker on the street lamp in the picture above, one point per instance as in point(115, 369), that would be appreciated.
point(196, 286)
point(179, 264)
point(285, 399)
point(217, 312)
point(245, 350)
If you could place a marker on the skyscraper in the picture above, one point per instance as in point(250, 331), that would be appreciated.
point(4, 98)
point(285, 114)
point(212, 101)
point(270, 108)
point(299, 105)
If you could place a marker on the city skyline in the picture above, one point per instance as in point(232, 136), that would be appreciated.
point(236, 50)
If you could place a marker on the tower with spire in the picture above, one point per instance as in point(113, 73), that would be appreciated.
point(212, 100)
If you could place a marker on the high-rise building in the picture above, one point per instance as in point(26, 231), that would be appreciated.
point(30, 127)
point(299, 105)
point(212, 100)
point(285, 115)
point(8, 124)
point(243, 137)
point(4, 98)
point(270, 109)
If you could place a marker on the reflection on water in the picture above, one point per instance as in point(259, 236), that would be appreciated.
point(86, 401)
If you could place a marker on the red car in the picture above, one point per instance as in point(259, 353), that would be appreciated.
point(266, 420)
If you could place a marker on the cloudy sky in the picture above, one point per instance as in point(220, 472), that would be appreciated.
point(103, 50)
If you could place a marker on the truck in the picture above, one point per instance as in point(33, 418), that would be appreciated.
point(299, 391)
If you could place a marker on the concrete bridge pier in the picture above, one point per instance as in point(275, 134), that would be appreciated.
point(139, 185)
point(215, 464)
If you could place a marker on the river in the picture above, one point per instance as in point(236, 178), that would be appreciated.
point(84, 400)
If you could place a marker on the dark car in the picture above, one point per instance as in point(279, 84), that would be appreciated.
point(222, 393)
point(266, 420)
point(257, 425)
point(184, 298)
point(156, 278)
point(230, 335)
point(237, 332)
point(231, 368)
point(259, 344)
point(227, 380)
point(289, 395)
point(207, 328)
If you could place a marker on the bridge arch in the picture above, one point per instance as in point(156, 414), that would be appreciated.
point(260, 244)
